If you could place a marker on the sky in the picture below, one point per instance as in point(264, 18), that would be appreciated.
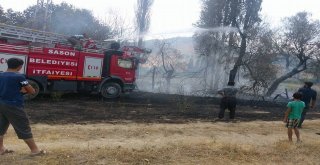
point(174, 17)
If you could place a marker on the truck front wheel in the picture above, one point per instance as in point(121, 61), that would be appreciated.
point(36, 87)
point(110, 90)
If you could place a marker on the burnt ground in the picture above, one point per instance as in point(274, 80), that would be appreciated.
point(143, 107)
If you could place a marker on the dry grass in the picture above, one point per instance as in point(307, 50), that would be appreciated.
point(193, 143)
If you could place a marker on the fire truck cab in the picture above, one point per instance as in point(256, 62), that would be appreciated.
point(56, 67)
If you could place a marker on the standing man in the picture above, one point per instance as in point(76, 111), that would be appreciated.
point(12, 87)
point(309, 97)
point(228, 100)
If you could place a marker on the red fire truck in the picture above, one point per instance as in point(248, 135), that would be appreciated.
point(53, 65)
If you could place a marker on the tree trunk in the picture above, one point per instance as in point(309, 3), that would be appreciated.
point(140, 42)
point(277, 82)
point(168, 79)
point(153, 75)
point(242, 52)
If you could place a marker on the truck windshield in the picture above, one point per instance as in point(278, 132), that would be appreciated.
point(125, 63)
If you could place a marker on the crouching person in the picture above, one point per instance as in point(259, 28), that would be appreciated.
point(12, 87)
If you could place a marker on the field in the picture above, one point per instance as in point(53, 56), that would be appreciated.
point(160, 129)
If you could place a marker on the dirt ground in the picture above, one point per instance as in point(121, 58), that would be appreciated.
point(146, 128)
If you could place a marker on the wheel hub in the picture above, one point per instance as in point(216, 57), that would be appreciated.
point(111, 90)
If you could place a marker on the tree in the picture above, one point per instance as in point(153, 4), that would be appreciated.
point(314, 69)
point(34, 17)
point(2, 16)
point(122, 30)
point(240, 14)
point(13, 18)
point(299, 39)
point(258, 61)
point(143, 18)
point(65, 19)
point(165, 63)
point(244, 16)
point(214, 54)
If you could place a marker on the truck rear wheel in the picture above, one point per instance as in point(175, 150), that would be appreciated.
point(110, 90)
point(36, 87)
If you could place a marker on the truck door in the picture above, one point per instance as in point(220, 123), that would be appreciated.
point(123, 68)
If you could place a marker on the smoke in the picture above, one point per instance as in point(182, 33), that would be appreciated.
point(195, 74)
point(187, 32)
point(221, 29)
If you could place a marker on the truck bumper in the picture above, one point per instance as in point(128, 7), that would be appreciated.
point(128, 87)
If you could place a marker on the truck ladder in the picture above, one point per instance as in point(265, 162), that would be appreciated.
point(36, 36)
point(31, 35)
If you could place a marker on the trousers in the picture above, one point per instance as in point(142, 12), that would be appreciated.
point(229, 103)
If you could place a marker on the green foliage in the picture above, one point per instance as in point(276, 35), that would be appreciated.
point(235, 13)
point(69, 20)
point(229, 26)
point(314, 70)
point(300, 42)
point(62, 19)
point(2, 16)
point(258, 62)
point(240, 16)
point(143, 14)
point(143, 17)
point(12, 18)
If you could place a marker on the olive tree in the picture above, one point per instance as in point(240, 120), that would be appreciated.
point(300, 40)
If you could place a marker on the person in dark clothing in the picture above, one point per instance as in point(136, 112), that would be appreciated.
point(76, 40)
point(113, 50)
point(79, 42)
point(228, 100)
point(309, 97)
point(12, 87)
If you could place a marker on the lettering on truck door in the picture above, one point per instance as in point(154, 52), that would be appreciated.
point(5, 56)
point(92, 67)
